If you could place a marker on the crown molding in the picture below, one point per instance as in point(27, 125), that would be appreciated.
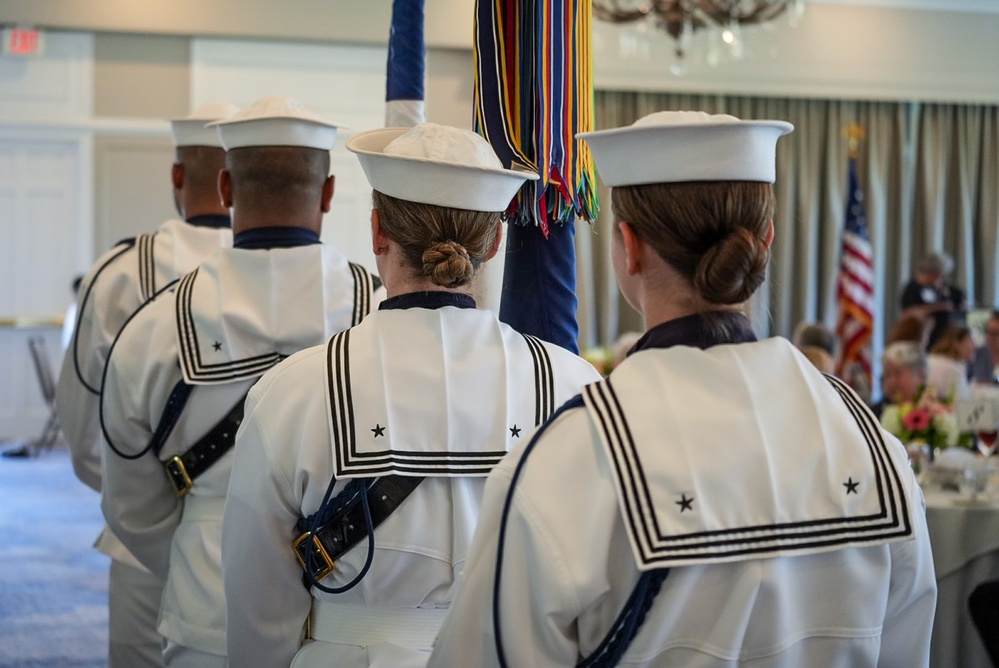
point(974, 6)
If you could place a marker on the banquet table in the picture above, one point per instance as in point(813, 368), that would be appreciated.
point(964, 537)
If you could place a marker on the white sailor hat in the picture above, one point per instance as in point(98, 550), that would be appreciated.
point(437, 164)
point(276, 121)
point(192, 131)
point(678, 146)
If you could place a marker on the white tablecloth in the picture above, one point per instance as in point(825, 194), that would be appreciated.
point(965, 542)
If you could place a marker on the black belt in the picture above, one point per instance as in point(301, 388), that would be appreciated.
point(348, 528)
point(183, 469)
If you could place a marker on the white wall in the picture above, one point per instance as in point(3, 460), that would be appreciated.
point(45, 212)
point(837, 51)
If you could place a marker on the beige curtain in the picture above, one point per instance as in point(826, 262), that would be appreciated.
point(930, 176)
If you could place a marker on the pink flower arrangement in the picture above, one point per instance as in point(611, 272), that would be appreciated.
point(917, 419)
point(926, 419)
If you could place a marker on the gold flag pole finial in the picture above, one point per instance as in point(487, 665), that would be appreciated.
point(855, 135)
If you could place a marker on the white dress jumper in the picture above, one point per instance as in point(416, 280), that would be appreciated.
point(426, 386)
point(223, 325)
point(791, 526)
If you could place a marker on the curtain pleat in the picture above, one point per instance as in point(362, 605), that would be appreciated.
point(930, 176)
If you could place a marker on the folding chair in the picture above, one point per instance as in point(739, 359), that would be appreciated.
point(43, 369)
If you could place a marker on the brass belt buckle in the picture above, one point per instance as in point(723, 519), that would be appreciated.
point(177, 473)
point(321, 564)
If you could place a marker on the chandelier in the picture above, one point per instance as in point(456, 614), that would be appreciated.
point(682, 18)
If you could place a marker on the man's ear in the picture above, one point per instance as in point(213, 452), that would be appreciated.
point(177, 175)
point(328, 188)
point(225, 188)
point(496, 243)
point(634, 248)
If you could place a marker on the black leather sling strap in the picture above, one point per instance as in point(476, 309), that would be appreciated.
point(183, 469)
point(348, 528)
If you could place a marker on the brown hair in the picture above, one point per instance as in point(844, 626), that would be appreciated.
point(712, 233)
point(444, 244)
point(909, 327)
point(948, 342)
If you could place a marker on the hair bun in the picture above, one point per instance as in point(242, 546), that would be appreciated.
point(731, 270)
point(448, 264)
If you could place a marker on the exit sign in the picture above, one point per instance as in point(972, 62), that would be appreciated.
point(16, 41)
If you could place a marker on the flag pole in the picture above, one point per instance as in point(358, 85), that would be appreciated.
point(855, 135)
point(855, 286)
point(406, 66)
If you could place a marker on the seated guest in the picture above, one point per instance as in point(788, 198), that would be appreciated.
point(820, 358)
point(947, 363)
point(985, 363)
point(911, 327)
point(815, 335)
point(903, 372)
point(716, 500)
point(399, 419)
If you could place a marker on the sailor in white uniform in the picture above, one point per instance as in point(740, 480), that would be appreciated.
point(121, 281)
point(180, 369)
point(369, 453)
point(716, 501)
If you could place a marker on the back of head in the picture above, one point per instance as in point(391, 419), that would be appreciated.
point(202, 165)
point(440, 193)
point(935, 264)
point(696, 188)
point(199, 151)
point(278, 158)
point(278, 180)
point(820, 358)
point(444, 244)
point(713, 234)
point(949, 342)
point(912, 328)
point(815, 335)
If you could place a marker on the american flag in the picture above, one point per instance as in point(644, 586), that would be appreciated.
point(855, 290)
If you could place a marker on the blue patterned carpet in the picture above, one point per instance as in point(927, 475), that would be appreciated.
point(53, 584)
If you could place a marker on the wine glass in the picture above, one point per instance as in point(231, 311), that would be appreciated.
point(987, 442)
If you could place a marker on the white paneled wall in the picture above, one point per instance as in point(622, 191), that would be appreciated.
point(45, 211)
point(345, 84)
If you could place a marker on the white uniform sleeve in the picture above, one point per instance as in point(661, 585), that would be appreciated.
point(538, 607)
point(139, 502)
point(912, 596)
point(78, 409)
point(109, 301)
point(266, 602)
